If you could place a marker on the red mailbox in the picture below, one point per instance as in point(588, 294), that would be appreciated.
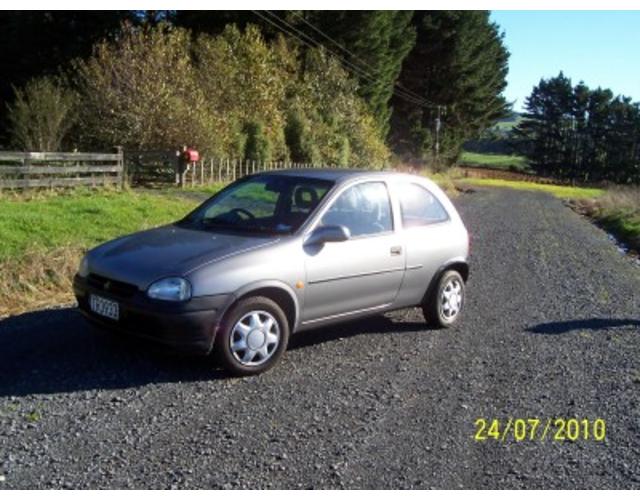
point(192, 155)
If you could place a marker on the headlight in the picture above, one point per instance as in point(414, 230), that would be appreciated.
point(83, 269)
point(175, 289)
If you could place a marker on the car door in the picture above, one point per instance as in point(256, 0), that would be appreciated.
point(426, 234)
point(363, 272)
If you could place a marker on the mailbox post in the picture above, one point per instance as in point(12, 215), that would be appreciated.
point(187, 158)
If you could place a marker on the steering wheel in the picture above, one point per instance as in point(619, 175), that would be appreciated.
point(242, 211)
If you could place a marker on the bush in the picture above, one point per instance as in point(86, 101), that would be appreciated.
point(245, 80)
point(231, 95)
point(298, 138)
point(41, 115)
point(140, 92)
point(343, 131)
point(257, 146)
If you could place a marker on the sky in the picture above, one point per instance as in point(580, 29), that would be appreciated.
point(601, 48)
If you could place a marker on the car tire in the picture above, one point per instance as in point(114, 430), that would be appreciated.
point(442, 309)
point(253, 336)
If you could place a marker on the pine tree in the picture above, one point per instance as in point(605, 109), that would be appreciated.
point(547, 125)
point(459, 63)
point(581, 134)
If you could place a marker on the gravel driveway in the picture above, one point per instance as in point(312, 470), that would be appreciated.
point(551, 329)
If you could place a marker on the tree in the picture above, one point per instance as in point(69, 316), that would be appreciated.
point(235, 95)
point(573, 132)
point(39, 43)
point(299, 139)
point(326, 96)
point(376, 42)
point(548, 122)
point(458, 65)
point(140, 91)
point(41, 115)
point(257, 146)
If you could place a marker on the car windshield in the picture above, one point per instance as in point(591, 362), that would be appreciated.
point(264, 203)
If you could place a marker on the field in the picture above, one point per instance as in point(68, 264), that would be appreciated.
point(566, 192)
point(504, 162)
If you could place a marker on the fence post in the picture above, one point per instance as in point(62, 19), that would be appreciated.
point(121, 173)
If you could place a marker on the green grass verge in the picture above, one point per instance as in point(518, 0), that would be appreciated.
point(618, 211)
point(43, 235)
point(623, 224)
point(81, 218)
point(570, 192)
point(503, 162)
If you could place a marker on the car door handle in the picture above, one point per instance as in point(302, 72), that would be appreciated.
point(397, 250)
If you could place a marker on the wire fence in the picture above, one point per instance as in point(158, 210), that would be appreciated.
point(161, 168)
point(209, 171)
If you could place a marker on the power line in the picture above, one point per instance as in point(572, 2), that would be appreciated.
point(357, 58)
point(312, 43)
point(360, 71)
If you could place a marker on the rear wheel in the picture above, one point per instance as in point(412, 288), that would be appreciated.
point(253, 336)
point(443, 308)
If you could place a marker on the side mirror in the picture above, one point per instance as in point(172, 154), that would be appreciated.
point(328, 234)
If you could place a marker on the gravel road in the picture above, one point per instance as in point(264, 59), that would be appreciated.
point(551, 329)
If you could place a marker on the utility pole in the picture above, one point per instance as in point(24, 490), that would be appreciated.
point(438, 126)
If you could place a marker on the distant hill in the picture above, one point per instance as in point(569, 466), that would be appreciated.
point(506, 124)
point(497, 139)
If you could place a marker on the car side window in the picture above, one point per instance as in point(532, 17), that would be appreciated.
point(364, 209)
point(419, 207)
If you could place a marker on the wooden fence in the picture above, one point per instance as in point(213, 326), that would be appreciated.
point(30, 170)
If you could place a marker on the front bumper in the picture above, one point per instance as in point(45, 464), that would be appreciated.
point(188, 327)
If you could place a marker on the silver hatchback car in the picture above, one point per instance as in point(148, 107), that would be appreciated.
point(278, 253)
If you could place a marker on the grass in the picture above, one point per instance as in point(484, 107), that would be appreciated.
point(44, 234)
point(82, 218)
point(618, 211)
point(33, 416)
point(503, 162)
point(444, 180)
point(565, 192)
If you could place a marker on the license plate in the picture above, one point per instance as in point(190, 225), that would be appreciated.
point(104, 307)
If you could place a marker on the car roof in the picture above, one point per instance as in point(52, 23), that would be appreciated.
point(332, 174)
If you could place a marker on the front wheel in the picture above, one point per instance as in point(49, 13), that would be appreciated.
point(443, 308)
point(253, 336)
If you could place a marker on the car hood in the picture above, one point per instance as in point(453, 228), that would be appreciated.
point(142, 258)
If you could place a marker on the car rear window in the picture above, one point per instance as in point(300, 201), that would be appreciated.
point(419, 207)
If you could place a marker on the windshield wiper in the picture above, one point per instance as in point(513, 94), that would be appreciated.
point(212, 224)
